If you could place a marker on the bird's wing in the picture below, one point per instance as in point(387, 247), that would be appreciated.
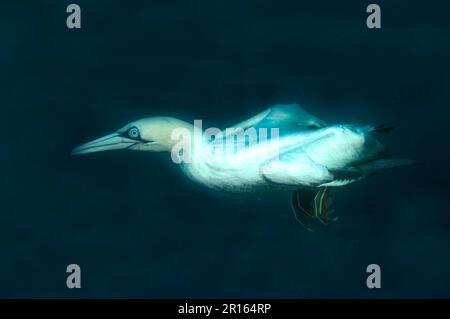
point(293, 166)
point(285, 117)
point(290, 116)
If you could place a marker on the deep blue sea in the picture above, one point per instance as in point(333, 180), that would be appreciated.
point(138, 227)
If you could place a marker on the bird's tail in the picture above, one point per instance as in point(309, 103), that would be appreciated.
point(353, 174)
point(377, 128)
point(382, 164)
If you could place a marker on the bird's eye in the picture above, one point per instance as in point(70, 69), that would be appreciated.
point(133, 133)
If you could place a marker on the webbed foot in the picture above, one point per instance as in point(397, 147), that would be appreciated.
point(322, 206)
point(308, 205)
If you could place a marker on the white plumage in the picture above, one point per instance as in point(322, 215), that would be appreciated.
point(305, 152)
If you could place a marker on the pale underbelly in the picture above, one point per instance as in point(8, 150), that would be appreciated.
point(231, 179)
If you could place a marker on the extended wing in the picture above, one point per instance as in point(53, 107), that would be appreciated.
point(283, 116)
point(286, 117)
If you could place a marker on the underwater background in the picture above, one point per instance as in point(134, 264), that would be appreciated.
point(139, 228)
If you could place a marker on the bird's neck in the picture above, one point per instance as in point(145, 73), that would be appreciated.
point(186, 142)
point(175, 134)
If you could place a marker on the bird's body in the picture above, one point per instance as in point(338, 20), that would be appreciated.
point(300, 152)
point(304, 159)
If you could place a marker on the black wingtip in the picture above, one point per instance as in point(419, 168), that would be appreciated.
point(382, 128)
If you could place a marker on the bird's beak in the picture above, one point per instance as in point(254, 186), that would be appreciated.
point(106, 143)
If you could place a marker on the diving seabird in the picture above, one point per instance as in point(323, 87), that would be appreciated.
point(307, 157)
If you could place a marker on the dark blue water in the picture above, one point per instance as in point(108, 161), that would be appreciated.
point(138, 227)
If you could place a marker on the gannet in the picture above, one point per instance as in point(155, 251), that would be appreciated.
point(303, 154)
